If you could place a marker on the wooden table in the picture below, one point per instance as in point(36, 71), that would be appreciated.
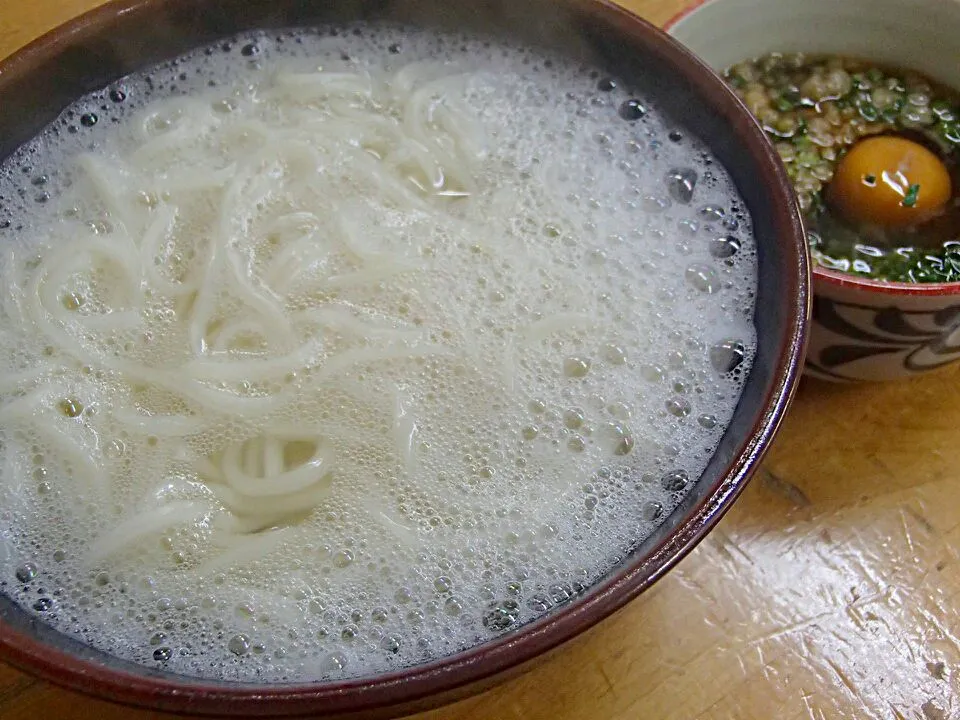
point(830, 590)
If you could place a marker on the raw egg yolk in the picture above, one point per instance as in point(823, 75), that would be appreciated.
point(889, 181)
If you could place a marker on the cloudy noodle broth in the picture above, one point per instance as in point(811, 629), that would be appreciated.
point(327, 353)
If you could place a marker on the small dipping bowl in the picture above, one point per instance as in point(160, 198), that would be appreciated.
point(123, 36)
point(862, 329)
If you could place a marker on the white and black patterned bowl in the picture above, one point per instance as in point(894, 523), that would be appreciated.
point(867, 330)
point(862, 329)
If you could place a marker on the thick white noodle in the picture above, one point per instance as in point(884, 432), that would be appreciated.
point(28, 405)
point(391, 186)
point(301, 86)
point(195, 180)
point(257, 297)
point(77, 457)
point(371, 274)
point(245, 197)
point(170, 126)
point(396, 527)
point(152, 257)
point(335, 365)
point(195, 392)
point(108, 185)
point(171, 426)
point(242, 550)
point(276, 506)
point(334, 317)
point(66, 261)
point(202, 308)
point(240, 472)
point(235, 370)
point(14, 379)
point(297, 256)
point(131, 531)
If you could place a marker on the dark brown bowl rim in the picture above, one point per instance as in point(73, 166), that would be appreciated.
point(406, 688)
point(837, 277)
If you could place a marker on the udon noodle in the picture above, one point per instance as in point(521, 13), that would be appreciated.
point(338, 357)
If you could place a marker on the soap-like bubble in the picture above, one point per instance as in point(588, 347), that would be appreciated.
point(517, 356)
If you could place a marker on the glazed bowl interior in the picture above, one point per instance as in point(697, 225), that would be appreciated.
point(122, 37)
point(920, 35)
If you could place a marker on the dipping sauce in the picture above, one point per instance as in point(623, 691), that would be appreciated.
point(874, 156)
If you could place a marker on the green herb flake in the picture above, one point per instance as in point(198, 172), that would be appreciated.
point(943, 110)
point(784, 105)
point(817, 206)
point(870, 180)
point(868, 111)
point(951, 132)
point(910, 199)
point(808, 158)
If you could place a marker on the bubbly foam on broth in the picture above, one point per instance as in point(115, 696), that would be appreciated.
point(329, 354)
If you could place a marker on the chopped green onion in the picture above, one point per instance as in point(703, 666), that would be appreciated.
point(817, 205)
point(910, 199)
point(868, 111)
point(943, 110)
point(873, 97)
point(951, 131)
point(783, 105)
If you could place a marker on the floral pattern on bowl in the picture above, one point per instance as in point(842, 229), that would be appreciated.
point(868, 330)
point(853, 337)
point(862, 329)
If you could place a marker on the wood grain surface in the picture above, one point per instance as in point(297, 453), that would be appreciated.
point(831, 590)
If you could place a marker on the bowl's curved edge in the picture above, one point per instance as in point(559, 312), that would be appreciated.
point(479, 667)
point(883, 287)
point(687, 9)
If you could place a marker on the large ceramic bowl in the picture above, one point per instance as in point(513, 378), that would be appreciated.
point(123, 36)
point(862, 329)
